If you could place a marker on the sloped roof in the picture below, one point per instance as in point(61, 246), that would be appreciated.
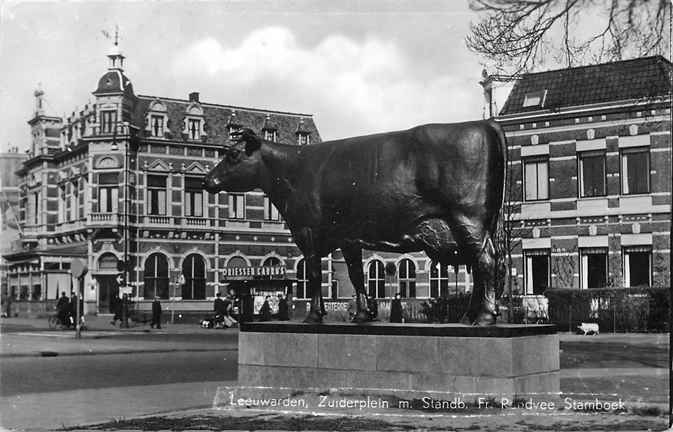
point(217, 119)
point(114, 81)
point(640, 78)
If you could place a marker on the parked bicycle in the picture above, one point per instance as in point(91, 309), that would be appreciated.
point(56, 323)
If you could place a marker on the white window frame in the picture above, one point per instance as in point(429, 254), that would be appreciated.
point(580, 161)
point(624, 175)
point(150, 190)
point(154, 118)
point(626, 253)
point(584, 266)
point(303, 139)
point(379, 277)
point(528, 268)
point(236, 206)
point(439, 279)
point(189, 208)
point(270, 211)
point(535, 163)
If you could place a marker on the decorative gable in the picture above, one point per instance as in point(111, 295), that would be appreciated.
point(195, 168)
point(157, 165)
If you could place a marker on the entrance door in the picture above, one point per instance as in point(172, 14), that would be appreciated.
point(107, 290)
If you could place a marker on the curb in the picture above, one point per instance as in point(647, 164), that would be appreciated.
point(50, 353)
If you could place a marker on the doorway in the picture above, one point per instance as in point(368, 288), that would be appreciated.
point(108, 289)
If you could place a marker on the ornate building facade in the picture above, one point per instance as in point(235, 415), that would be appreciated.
point(118, 185)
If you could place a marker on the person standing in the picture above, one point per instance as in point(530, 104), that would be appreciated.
point(265, 310)
point(156, 313)
point(283, 309)
point(62, 308)
point(373, 308)
point(396, 309)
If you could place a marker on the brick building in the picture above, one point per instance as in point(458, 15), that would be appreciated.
point(10, 161)
point(590, 179)
point(117, 184)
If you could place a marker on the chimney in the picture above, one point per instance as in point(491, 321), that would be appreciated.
point(194, 97)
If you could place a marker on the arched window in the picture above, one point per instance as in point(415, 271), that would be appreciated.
point(377, 279)
point(439, 281)
point(194, 272)
point(156, 276)
point(407, 278)
point(271, 262)
point(302, 280)
point(107, 262)
point(237, 261)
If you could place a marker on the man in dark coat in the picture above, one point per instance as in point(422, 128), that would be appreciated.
point(219, 307)
point(62, 308)
point(265, 310)
point(396, 309)
point(156, 313)
point(283, 309)
point(373, 306)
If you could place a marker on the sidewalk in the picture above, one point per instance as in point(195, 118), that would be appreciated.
point(30, 338)
point(93, 323)
point(87, 406)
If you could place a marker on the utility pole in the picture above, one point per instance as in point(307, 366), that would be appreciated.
point(670, 232)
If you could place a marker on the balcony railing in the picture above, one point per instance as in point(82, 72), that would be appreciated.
point(195, 221)
point(103, 218)
point(157, 220)
point(119, 129)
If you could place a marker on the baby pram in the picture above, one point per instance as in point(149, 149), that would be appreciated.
point(218, 321)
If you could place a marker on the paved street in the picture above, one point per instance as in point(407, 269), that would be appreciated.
point(108, 372)
point(112, 373)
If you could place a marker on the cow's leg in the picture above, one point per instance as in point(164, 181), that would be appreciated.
point(476, 243)
point(314, 274)
point(353, 257)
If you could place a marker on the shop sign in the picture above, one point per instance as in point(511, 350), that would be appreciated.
point(245, 273)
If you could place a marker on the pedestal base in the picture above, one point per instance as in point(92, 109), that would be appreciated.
point(501, 361)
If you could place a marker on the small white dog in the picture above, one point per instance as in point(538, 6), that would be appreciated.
point(589, 328)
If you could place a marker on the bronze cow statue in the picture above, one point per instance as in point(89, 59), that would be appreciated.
point(436, 188)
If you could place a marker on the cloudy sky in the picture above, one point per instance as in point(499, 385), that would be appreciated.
point(359, 67)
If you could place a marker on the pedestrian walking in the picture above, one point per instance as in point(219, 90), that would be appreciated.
point(396, 309)
point(156, 313)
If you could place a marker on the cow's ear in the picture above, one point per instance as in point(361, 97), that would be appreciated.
point(251, 140)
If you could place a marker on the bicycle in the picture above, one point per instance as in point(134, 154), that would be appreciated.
point(55, 322)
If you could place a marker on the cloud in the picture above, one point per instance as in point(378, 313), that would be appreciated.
point(352, 86)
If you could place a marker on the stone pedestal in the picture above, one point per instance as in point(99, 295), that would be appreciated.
point(450, 359)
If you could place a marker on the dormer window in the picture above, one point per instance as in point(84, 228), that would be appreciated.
point(157, 125)
point(194, 129)
point(156, 120)
point(535, 99)
point(194, 123)
point(233, 125)
point(303, 139)
point(232, 131)
point(303, 133)
point(271, 135)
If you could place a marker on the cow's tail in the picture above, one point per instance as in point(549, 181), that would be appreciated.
point(498, 229)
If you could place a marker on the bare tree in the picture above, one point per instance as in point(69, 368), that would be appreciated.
point(516, 34)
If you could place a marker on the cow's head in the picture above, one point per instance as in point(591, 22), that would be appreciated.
point(239, 169)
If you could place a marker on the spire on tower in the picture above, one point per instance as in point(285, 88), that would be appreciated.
point(39, 100)
point(116, 57)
